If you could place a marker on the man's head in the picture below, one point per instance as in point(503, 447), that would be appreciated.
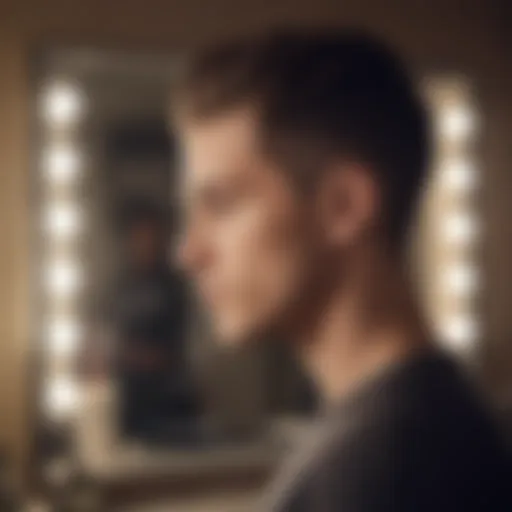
point(301, 151)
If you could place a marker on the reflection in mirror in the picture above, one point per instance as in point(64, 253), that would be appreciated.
point(132, 383)
point(130, 371)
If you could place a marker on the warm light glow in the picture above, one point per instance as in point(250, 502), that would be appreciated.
point(62, 220)
point(63, 278)
point(62, 397)
point(61, 163)
point(460, 332)
point(457, 123)
point(63, 336)
point(461, 279)
point(459, 175)
point(62, 107)
point(460, 229)
point(62, 104)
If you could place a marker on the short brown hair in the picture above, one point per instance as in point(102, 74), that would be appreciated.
point(343, 93)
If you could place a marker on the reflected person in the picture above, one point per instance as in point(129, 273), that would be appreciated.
point(150, 316)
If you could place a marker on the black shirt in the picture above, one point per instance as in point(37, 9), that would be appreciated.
point(414, 439)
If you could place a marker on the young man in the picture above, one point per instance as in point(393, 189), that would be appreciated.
point(304, 156)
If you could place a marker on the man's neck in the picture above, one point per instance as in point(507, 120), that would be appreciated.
point(369, 323)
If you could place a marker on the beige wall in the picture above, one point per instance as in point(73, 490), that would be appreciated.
point(435, 35)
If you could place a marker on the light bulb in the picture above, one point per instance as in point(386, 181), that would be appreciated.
point(63, 336)
point(459, 175)
point(460, 228)
point(457, 123)
point(460, 332)
point(62, 220)
point(461, 279)
point(62, 104)
point(63, 278)
point(62, 397)
point(61, 164)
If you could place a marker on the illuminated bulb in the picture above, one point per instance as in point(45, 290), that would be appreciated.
point(460, 332)
point(460, 229)
point(61, 397)
point(62, 220)
point(61, 164)
point(462, 279)
point(63, 104)
point(63, 278)
point(457, 123)
point(459, 175)
point(63, 336)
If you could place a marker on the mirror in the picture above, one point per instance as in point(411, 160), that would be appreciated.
point(129, 369)
point(132, 383)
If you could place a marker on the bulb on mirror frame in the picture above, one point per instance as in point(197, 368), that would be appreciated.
point(61, 397)
point(63, 336)
point(61, 163)
point(62, 104)
point(460, 228)
point(63, 278)
point(457, 122)
point(462, 279)
point(459, 175)
point(62, 220)
point(460, 332)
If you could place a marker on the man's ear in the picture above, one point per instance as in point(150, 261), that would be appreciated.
point(349, 203)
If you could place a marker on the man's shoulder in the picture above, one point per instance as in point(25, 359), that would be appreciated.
point(417, 441)
point(430, 409)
